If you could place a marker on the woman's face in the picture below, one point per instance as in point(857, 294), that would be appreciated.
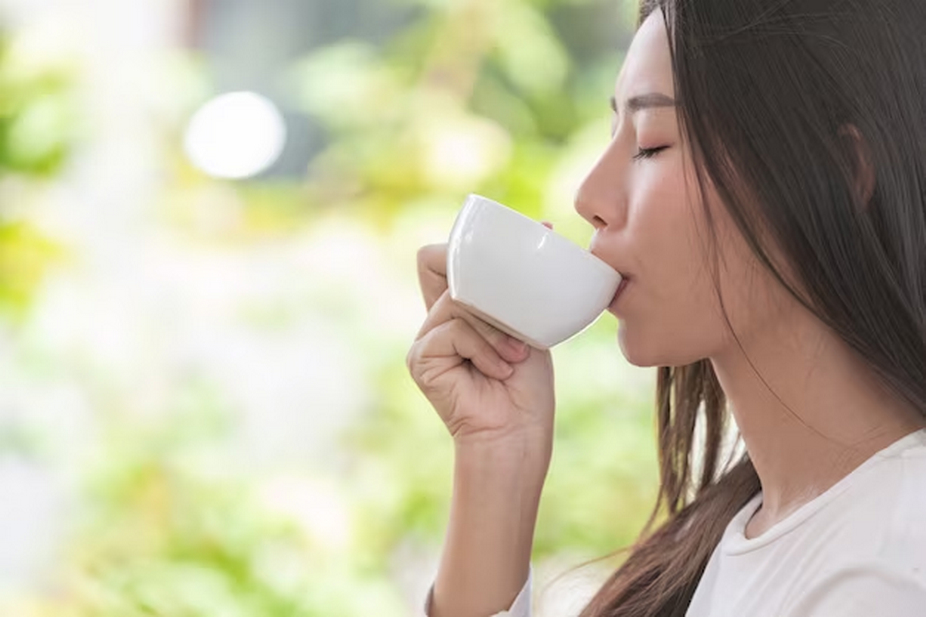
point(642, 198)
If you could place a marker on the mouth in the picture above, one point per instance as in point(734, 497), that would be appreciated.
point(620, 292)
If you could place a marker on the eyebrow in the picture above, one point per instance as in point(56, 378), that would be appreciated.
point(645, 101)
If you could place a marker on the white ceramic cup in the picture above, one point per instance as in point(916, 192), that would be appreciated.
point(522, 277)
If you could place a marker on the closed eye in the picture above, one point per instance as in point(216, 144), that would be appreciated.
point(646, 153)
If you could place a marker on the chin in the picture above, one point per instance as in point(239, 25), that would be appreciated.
point(637, 352)
point(650, 351)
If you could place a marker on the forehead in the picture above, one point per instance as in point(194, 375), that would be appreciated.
point(648, 64)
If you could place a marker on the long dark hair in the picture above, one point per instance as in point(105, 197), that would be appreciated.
point(784, 104)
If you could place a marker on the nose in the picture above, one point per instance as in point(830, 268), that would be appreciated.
point(601, 197)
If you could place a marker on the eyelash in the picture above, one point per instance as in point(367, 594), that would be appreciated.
point(647, 153)
point(644, 153)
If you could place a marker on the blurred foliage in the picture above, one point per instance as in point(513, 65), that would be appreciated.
point(171, 526)
point(474, 96)
point(25, 256)
point(170, 540)
point(38, 116)
point(37, 113)
point(507, 98)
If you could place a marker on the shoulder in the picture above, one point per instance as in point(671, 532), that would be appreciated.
point(883, 515)
point(904, 542)
point(880, 516)
point(863, 589)
point(880, 544)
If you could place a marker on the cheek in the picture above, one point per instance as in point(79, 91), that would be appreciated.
point(673, 238)
point(675, 317)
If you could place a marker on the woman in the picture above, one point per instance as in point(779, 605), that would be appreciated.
point(765, 193)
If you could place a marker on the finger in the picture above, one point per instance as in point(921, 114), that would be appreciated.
point(547, 224)
point(432, 272)
point(449, 345)
point(445, 309)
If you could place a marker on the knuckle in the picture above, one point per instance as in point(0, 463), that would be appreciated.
point(410, 358)
point(443, 300)
point(490, 333)
point(425, 254)
point(477, 342)
point(428, 377)
point(421, 371)
point(431, 257)
point(413, 363)
point(461, 335)
point(458, 326)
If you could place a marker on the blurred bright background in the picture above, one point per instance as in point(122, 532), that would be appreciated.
point(209, 215)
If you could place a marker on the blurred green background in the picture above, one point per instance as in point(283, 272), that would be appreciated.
point(209, 215)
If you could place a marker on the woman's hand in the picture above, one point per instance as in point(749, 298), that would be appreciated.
point(487, 387)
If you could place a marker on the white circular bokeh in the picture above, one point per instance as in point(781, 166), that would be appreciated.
point(235, 135)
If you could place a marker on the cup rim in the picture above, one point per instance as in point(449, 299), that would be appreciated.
point(559, 238)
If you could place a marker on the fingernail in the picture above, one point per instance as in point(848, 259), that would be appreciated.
point(506, 369)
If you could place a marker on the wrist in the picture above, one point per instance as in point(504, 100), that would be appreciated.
point(493, 512)
point(516, 464)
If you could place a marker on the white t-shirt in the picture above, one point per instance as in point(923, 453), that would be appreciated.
point(856, 550)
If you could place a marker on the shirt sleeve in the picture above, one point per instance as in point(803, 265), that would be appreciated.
point(521, 607)
point(865, 590)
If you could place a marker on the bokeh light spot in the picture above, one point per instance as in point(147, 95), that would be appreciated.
point(235, 135)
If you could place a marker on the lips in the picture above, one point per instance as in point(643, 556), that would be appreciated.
point(620, 288)
point(625, 278)
point(620, 291)
point(594, 250)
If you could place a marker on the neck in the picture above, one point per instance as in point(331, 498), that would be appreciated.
point(839, 414)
